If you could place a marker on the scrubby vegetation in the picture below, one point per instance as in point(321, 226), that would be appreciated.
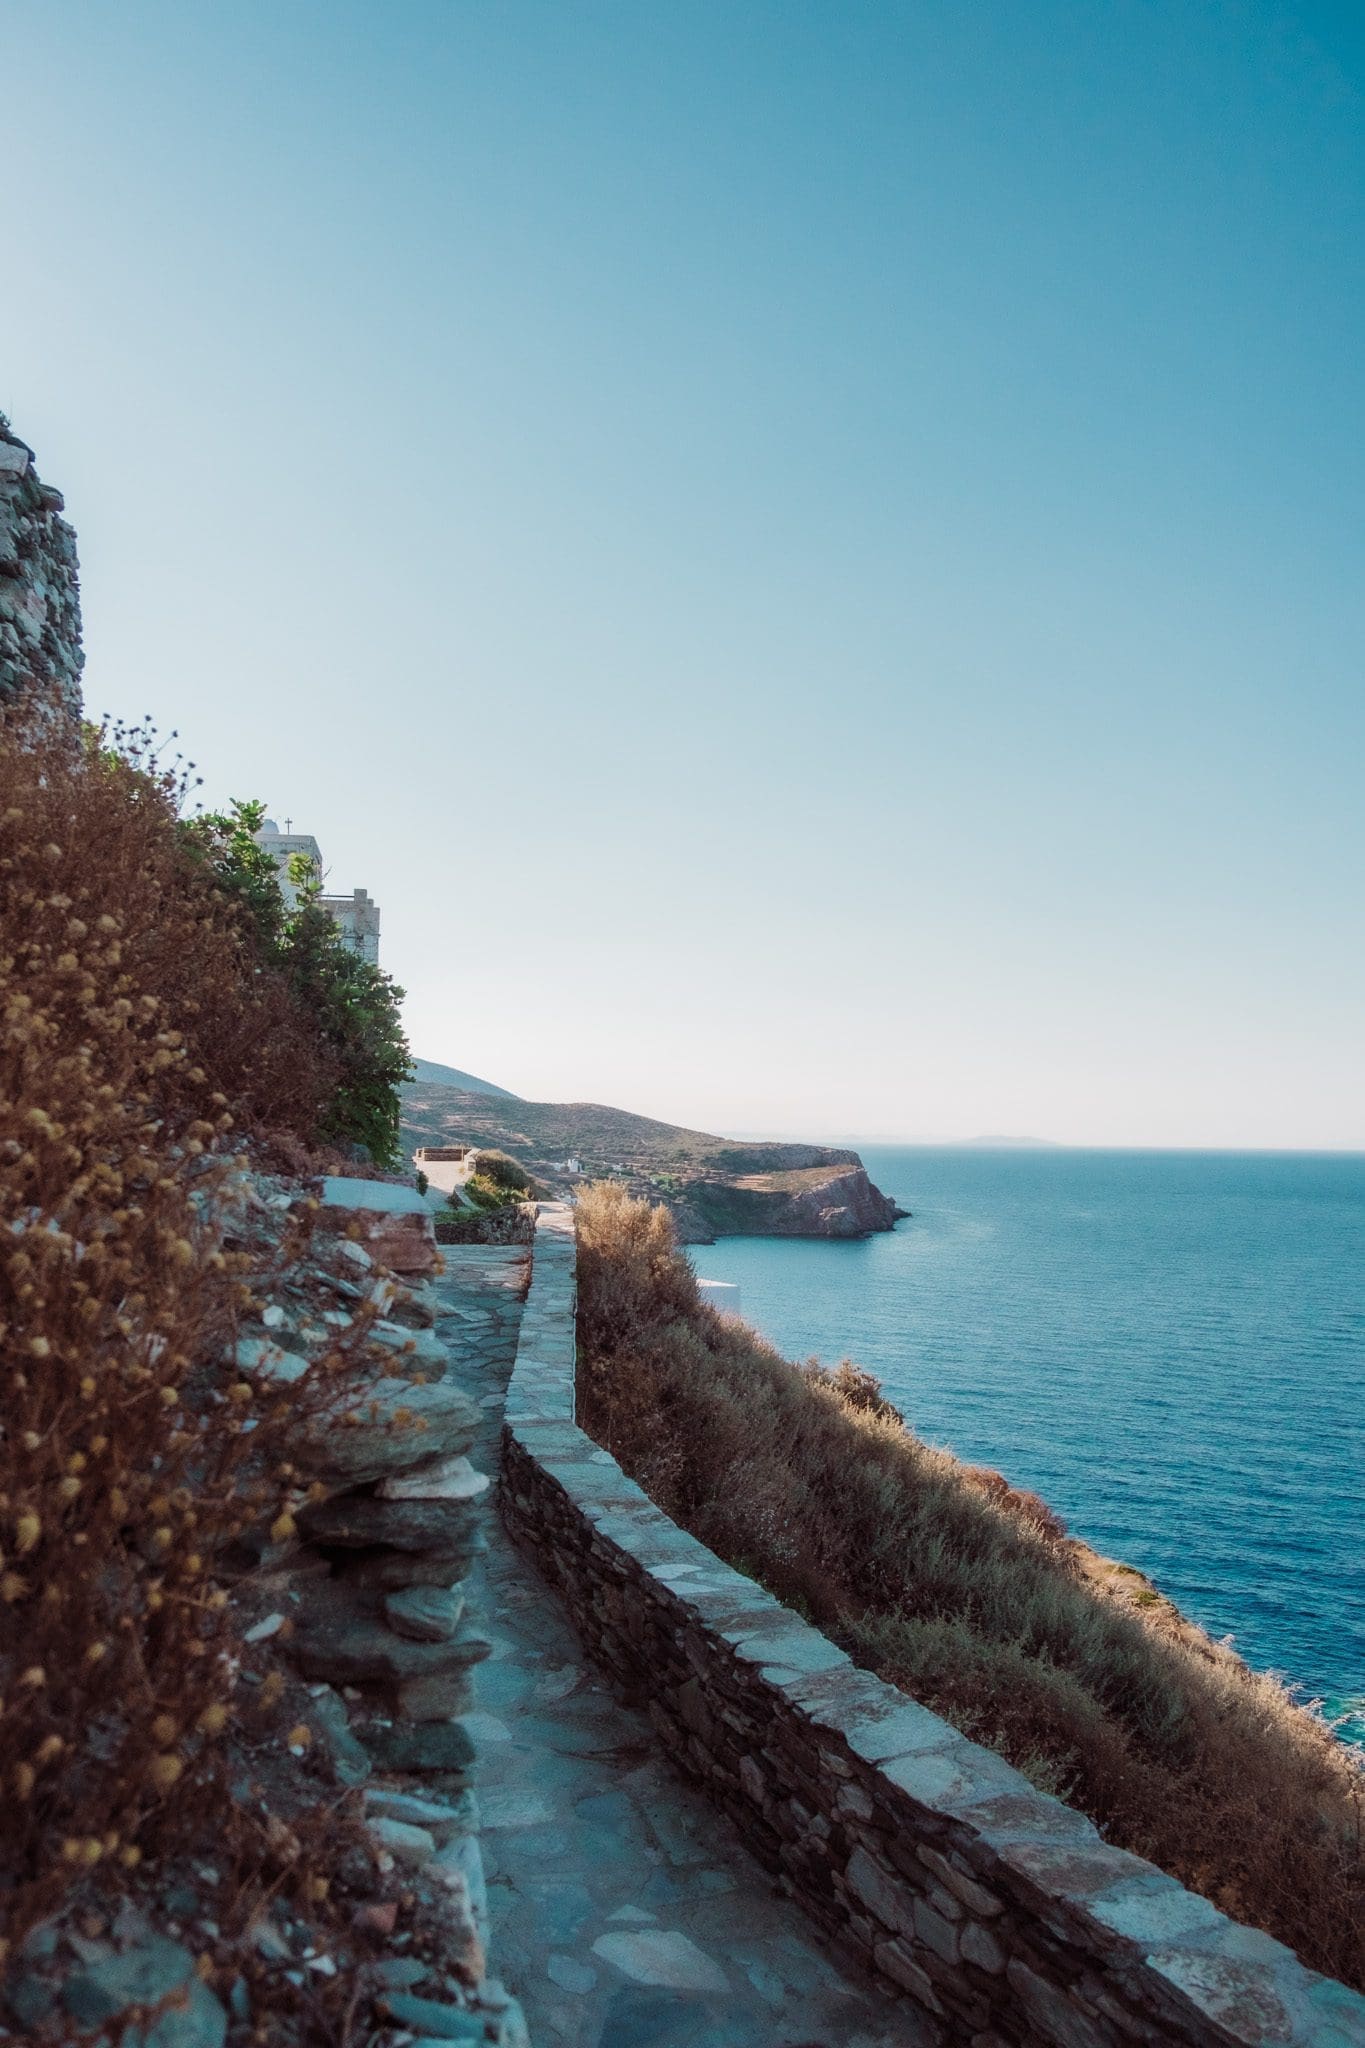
point(502, 1172)
point(968, 1594)
point(149, 1030)
point(491, 1206)
point(497, 1185)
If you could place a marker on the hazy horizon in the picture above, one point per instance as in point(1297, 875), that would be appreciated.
point(809, 559)
point(1002, 1141)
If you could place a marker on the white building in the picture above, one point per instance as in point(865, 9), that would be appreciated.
point(357, 915)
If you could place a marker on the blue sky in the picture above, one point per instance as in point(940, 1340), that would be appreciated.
point(808, 555)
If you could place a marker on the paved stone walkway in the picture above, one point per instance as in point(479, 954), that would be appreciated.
point(625, 1911)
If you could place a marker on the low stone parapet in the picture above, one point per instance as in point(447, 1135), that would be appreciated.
point(999, 1912)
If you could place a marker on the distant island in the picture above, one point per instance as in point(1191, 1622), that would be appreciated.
point(714, 1187)
point(1002, 1144)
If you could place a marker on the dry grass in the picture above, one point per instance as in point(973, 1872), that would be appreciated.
point(137, 1041)
point(969, 1595)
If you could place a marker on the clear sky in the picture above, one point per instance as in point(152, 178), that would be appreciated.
point(809, 555)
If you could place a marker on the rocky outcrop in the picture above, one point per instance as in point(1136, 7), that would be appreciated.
point(389, 1222)
point(818, 1201)
point(40, 610)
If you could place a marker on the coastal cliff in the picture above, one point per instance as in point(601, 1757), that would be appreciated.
point(834, 1200)
point(714, 1187)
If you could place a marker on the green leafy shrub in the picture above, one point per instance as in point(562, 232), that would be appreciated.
point(488, 1195)
point(502, 1171)
point(354, 1005)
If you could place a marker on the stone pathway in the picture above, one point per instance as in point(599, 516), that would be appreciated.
point(625, 1911)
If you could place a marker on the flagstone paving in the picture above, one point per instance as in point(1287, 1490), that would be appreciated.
point(625, 1911)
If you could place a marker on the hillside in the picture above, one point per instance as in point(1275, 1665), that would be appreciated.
point(426, 1072)
point(715, 1187)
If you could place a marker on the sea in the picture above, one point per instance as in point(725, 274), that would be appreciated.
point(1168, 1346)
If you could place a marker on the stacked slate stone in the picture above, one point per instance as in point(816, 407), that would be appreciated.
point(399, 1526)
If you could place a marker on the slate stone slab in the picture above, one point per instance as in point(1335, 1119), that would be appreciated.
point(437, 2021)
point(346, 1754)
point(422, 1746)
point(388, 1426)
point(357, 1521)
point(156, 1970)
point(340, 1635)
point(435, 1698)
point(425, 1614)
point(388, 1569)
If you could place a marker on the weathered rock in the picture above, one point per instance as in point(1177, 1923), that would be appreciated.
point(387, 1426)
point(341, 1636)
point(450, 1479)
point(393, 1224)
point(424, 1746)
point(156, 1970)
point(462, 1858)
point(40, 612)
point(345, 1754)
point(416, 1307)
point(403, 1839)
point(419, 1350)
point(380, 1916)
point(267, 1360)
point(352, 1521)
point(654, 1955)
point(426, 1614)
point(400, 1973)
point(440, 1820)
point(391, 1569)
point(437, 2021)
point(436, 1698)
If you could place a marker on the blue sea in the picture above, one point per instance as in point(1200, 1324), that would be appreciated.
point(1169, 1347)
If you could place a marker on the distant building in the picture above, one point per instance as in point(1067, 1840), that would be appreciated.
point(357, 915)
point(446, 1167)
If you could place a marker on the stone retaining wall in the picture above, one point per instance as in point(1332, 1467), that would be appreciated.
point(1000, 1913)
point(40, 610)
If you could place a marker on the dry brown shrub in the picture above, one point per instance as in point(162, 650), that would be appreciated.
point(135, 1038)
point(110, 812)
point(966, 1592)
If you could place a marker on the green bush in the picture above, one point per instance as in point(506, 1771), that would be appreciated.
point(487, 1194)
point(502, 1171)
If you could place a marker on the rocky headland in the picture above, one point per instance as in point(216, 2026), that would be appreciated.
point(713, 1187)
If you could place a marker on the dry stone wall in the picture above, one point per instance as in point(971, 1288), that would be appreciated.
point(40, 610)
point(1000, 1914)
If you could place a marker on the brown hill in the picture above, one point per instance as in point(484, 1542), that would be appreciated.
point(715, 1187)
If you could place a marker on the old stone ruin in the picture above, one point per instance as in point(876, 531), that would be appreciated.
point(40, 610)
